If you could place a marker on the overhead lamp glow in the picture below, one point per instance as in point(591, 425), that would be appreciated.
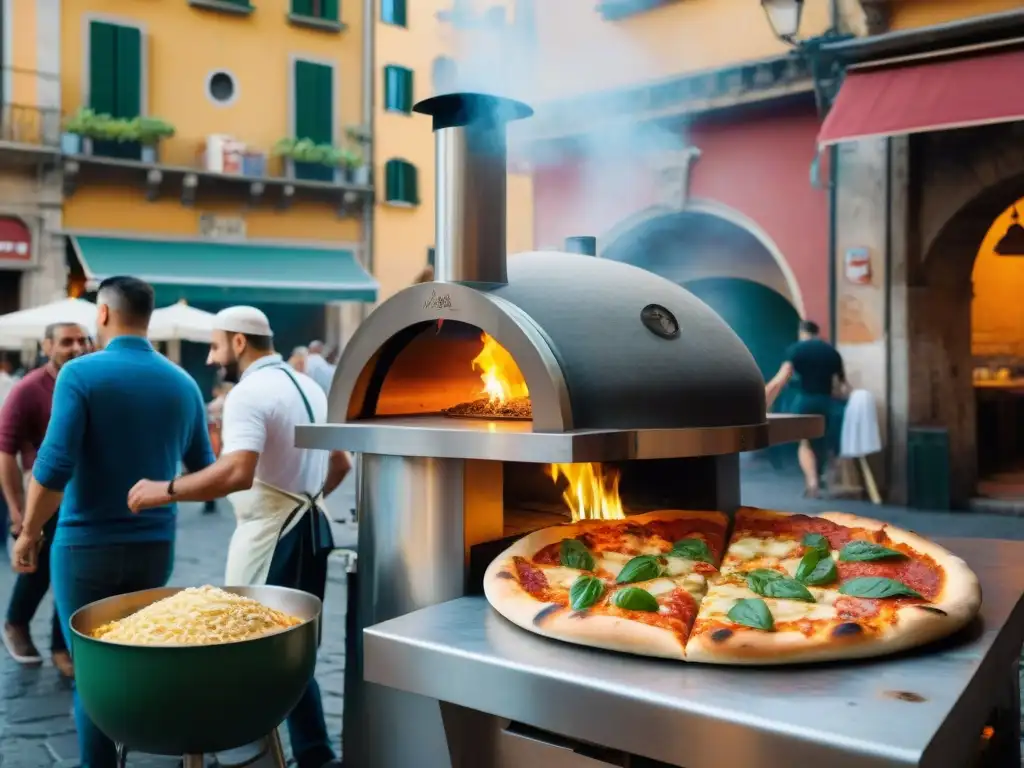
point(784, 17)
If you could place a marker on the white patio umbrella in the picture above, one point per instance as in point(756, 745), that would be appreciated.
point(30, 324)
point(180, 322)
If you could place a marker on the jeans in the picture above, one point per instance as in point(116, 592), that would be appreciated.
point(301, 564)
point(30, 589)
point(83, 574)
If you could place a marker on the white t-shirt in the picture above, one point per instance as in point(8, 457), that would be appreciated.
point(261, 413)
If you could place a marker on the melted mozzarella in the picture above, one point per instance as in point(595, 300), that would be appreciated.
point(658, 586)
point(559, 576)
point(613, 562)
point(723, 597)
point(751, 548)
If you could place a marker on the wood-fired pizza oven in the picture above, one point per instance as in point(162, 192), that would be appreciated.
point(470, 400)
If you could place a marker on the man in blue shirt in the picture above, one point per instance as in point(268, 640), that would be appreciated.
point(118, 415)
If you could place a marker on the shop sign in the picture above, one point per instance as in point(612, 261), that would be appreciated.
point(222, 227)
point(15, 240)
point(857, 266)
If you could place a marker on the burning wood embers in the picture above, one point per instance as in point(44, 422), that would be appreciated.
point(505, 394)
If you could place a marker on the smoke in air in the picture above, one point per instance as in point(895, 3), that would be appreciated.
point(568, 51)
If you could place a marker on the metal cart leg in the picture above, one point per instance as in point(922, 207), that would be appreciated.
point(275, 750)
point(122, 755)
point(1004, 747)
point(193, 761)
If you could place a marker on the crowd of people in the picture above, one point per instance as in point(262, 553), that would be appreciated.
point(91, 452)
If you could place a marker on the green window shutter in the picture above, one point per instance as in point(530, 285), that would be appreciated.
point(314, 102)
point(398, 95)
point(330, 10)
point(302, 7)
point(400, 182)
point(102, 68)
point(394, 12)
point(128, 60)
point(314, 113)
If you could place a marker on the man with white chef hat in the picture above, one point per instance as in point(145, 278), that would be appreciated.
point(282, 536)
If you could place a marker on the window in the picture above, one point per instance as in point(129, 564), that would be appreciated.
point(444, 74)
point(314, 114)
point(400, 182)
point(220, 87)
point(393, 12)
point(328, 10)
point(398, 89)
point(115, 80)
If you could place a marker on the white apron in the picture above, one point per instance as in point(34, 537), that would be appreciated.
point(264, 514)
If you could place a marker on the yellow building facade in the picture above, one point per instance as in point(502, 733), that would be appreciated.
point(219, 149)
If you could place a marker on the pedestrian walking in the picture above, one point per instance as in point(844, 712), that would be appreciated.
point(282, 536)
point(317, 367)
point(819, 367)
point(23, 421)
point(118, 414)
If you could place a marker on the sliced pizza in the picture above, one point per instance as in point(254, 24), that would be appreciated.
point(631, 585)
point(795, 588)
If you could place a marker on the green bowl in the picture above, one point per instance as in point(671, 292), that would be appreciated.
point(178, 700)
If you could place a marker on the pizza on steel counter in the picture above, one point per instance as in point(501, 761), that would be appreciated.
point(786, 589)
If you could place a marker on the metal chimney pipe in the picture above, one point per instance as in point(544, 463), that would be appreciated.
point(469, 189)
point(582, 244)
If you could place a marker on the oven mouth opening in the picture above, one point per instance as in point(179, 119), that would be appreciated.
point(447, 368)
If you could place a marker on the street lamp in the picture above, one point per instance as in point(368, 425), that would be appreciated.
point(784, 18)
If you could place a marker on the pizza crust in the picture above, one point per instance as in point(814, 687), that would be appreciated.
point(915, 625)
point(562, 623)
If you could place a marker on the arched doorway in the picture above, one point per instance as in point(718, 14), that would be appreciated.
point(941, 293)
point(725, 264)
point(732, 267)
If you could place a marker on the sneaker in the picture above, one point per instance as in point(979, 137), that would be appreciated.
point(62, 661)
point(18, 643)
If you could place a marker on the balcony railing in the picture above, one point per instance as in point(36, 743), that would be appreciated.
point(29, 125)
point(29, 108)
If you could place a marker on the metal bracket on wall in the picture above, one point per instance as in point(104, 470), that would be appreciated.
point(287, 196)
point(189, 187)
point(256, 190)
point(154, 178)
point(70, 181)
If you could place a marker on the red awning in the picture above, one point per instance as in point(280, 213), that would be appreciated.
point(935, 96)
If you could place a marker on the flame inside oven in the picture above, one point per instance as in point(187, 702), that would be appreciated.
point(592, 492)
point(499, 373)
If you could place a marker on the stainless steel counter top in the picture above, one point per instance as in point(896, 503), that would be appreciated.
point(926, 708)
point(448, 438)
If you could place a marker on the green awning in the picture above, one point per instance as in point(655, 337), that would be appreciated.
point(230, 273)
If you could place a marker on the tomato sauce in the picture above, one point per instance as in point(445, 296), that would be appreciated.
point(680, 609)
point(798, 525)
point(857, 607)
point(672, 531)
point(549, 555)
point(531, 579)
point(920, 574)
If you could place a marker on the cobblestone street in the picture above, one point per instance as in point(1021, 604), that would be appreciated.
point(36, 730)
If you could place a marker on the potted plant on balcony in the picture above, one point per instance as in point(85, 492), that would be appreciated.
point(358, 168)
point(76, 138)
point(308, 152)
point(361, 137)
point(150, 132)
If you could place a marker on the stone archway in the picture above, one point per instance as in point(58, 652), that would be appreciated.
point(613, 239)
point(725, 261)
point(964, 180)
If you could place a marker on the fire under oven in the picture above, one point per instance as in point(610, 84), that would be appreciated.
point(509, 395)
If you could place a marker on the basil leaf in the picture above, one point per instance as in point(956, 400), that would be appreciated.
point(692, 549)
point(817, 542)
point(877, 587)
point(787, 589)
point(816, 569)
point(642, 568)
point(757, 579)
point(585, 591)
point(635, 599)
point(574, 554)
point(752, 612)
point(862, 551)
